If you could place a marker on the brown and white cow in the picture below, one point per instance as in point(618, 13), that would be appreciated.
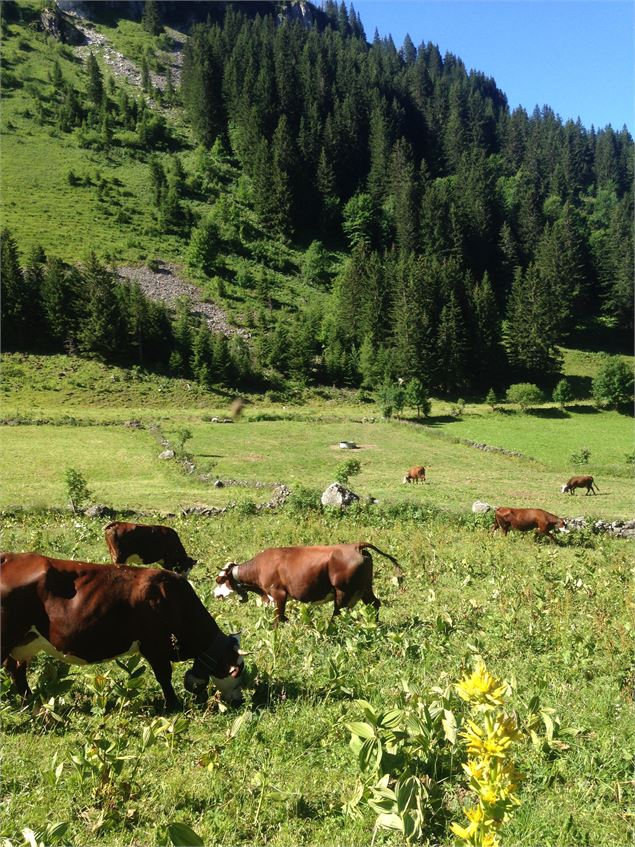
point(134, 543)
point(416, 474)
point(339, 572)
point(83, 613)
point(524, 520)
point(579, 482)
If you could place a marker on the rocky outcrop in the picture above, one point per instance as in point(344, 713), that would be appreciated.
point(338, 495)
point(58, 26)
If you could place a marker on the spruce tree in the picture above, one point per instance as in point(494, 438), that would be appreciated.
point(101, 330)
point(95, 81)
point(530, 328)
point(150, 18)
point(14, 299)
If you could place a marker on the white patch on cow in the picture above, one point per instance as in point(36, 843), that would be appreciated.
point(134, 560)
point(563, 490)
point(39, 644)
point(223, 590)
point(405, 479)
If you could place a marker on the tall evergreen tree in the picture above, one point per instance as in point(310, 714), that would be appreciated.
point(150, 19)
point(530, 327)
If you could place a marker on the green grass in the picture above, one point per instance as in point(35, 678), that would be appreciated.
point(552, 620)
point(300, 449)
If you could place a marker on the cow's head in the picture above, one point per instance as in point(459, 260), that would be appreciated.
point(184, 567)
point(405, 479)
point(564, 489)
point(226, 584)
point(223, 663)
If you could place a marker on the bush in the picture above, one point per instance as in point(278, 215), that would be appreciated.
point(491, 399)
point(613, 386)
point(525, 394)
point(581, 458)
point(562, 393)
point(347, 469)
point(76, 489)
point(456, 411)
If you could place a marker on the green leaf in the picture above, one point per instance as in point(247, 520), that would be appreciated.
point(548, 725)
point(449, 725)
point(182, 835)
point(391, 719)
point(237, 725)
point(370, 755)
point(390, 821)
point(363, 730)
point(56, 831)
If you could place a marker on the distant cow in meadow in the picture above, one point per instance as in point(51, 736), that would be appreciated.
point(339, 572)
point(525, 520)
point(580, 482)
point(416, 474)
point(138, 544)
point(81, 613)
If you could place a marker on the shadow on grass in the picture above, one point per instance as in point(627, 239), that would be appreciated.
point(550, 412)
point(585, 409)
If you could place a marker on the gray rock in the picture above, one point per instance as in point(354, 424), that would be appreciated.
point(338, 495)
point(479, 508)
point(167, 454)
point(98, 511)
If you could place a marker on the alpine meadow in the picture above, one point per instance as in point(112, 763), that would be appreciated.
point(317, 439)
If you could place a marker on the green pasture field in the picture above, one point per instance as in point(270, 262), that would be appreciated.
point(550, 620)
point(294, 444)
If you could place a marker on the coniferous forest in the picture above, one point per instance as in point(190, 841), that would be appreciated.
point(476, 239)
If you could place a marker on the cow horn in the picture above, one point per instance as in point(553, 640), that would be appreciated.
point(244, 652)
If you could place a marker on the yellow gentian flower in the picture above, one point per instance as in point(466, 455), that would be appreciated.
point(481, 688)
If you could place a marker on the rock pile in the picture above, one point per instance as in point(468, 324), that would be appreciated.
point(338, 495)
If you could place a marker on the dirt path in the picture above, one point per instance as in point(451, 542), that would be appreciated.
point(166, 285)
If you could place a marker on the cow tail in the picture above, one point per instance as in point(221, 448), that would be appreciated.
point(400, 574)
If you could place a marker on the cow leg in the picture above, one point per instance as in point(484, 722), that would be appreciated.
point(17, 672)
point(162, 667)
point(280, 599)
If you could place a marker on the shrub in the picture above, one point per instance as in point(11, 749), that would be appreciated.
point(491, 399)
point(562, 393)
point(613, 385)
point(76, 489)
point(347, 469)
point(458, 408)
point(581, 458)
point(525, 394)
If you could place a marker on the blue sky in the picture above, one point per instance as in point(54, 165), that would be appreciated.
point(576, 56)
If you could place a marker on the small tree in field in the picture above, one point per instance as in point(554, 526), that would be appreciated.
point(76, 489)
point(417, 397)
point(349, 468)
point(491, 399)
point(526, 394)
point(562, 393)
point(613, 386)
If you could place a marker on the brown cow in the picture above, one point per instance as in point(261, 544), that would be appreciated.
point(525, 519)
point(134, 543)
point(339, 572)
point(415, 474)
point(580, 482)
point(82, 613)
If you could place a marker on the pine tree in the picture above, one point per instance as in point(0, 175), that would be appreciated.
point(95, 81)
point(61, 303)
point(101, 330)
point(14, 303)
point(530, 329)
point(150, 18)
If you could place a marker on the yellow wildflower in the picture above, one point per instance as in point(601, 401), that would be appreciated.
point(481, 688)
point(475, 817)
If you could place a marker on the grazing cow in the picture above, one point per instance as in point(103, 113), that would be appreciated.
point(416, 474)
point(82, 613)
point(137, 544)
point(580, 482)
point(339, 572)
point(525, 519)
